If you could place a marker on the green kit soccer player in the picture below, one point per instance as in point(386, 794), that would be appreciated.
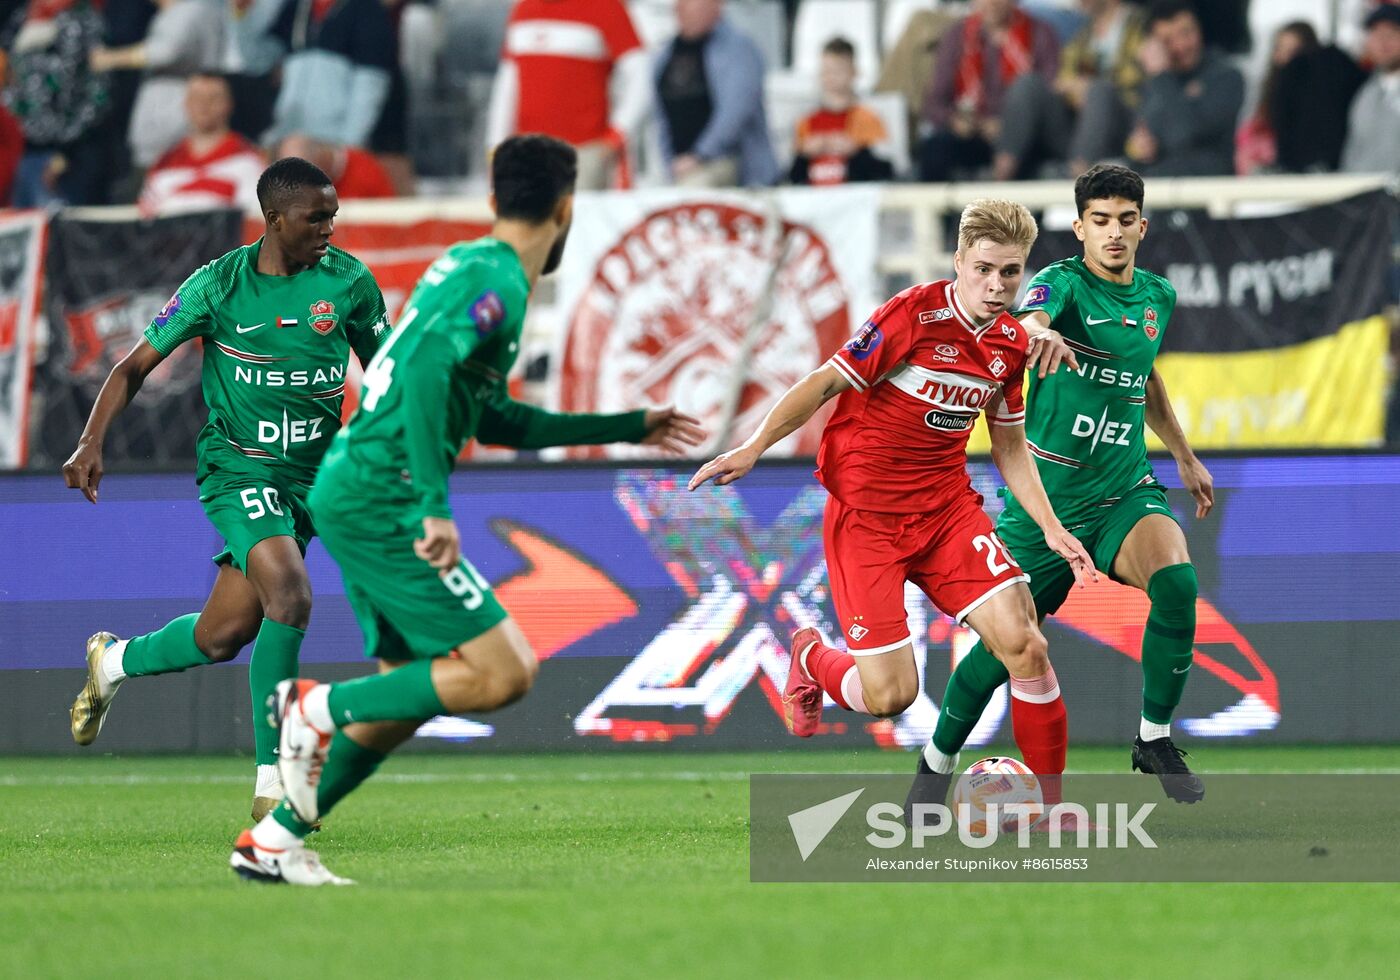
point(444, 642)
point(277, 319)
point(1085, 430)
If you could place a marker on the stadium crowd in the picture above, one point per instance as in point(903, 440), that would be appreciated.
point(177, 104)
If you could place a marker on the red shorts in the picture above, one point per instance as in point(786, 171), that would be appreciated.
point(952, 554)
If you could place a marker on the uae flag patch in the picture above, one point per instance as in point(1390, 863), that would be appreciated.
point(286, 321)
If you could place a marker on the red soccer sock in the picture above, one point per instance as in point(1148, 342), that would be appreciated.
point(836, 673)
point(1041, 726)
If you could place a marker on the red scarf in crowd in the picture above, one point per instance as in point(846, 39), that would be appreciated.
point(1015, 57)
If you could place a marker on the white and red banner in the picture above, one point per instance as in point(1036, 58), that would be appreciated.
point(713, 301)
point(21, 264)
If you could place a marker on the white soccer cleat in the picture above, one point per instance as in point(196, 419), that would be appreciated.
point(291, 866)
point(302, 748)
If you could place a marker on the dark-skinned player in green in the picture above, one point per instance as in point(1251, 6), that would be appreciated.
point(444, 643)
point(277, 319)
point(1104, 319)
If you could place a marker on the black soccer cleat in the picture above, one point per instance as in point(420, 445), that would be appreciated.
point(929, 787)
point(1161, 758)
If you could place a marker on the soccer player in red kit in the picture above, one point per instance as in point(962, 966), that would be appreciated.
point(894, 460)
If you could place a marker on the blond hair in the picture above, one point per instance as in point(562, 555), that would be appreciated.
point(998, 222)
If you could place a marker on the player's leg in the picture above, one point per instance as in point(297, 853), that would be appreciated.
point(1153, 557)
point(227, 623)
point(876, 673)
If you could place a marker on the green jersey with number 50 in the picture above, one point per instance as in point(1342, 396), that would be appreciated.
point(1085, 427)
point(275, 349)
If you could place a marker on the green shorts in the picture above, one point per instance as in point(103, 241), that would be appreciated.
point(246, 508)
point(1102, 536)
point(406, 609)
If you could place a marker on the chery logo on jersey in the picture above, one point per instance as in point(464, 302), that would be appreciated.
point(946, 352)
point(863, 344)
point(944, 390)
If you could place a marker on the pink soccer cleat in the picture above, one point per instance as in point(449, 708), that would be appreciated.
point(802, 698)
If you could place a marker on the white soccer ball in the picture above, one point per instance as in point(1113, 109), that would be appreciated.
point(998, 780)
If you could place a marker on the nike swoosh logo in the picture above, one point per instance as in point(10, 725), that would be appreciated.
point(1094, 323)
point(1180, 670)
point(240, 328)
point(1155, 506)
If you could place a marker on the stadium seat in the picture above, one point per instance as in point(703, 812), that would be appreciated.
point(898, 13)
point(818, 21)
point(655, 21)
point(889, 106)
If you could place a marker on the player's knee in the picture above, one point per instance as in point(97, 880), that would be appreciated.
point(892, 698)
point(290, 603)
point(222, 642)
point(1173, 591)
point(1027, 654)
point(511, 684)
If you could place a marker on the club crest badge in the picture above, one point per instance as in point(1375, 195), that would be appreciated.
point(323, 316)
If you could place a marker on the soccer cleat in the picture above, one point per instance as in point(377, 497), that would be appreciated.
point(90, 707)
point(929, 788)
point(301, 748)
point(1160, 757)
point(263, 805)
point(802, 698)
point(292, 866)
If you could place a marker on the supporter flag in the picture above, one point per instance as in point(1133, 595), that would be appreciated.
point(21, 239)
point(1278, 338)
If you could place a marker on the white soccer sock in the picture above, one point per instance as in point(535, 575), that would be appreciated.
point(269, 782)
point(112, 663)
point(1149, 730)
point(939, 762)
point(269, 835)
point(316, 707)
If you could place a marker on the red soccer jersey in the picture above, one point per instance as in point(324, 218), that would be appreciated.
point(921, 370)
point(564, 51)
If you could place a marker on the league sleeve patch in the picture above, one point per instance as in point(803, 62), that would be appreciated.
point(1038, 295)
point(488, 311)
point(171, 307)
point(863, 344)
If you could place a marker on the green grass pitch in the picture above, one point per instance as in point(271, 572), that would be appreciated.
point(598, 865)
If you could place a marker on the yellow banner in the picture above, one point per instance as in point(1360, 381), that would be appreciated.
point(1328, 392)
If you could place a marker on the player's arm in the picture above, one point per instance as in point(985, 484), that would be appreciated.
point(798, 404)
point(425, 372)
point(507, 422)
point(1047, 296)
point(1161, 418)
point(83, 471)
point(369, 324)
point(1013, 459)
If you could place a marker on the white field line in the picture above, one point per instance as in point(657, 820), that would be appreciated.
point(579, 777)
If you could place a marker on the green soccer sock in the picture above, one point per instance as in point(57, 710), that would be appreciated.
point(404, 694)
point(1168, 640)
point(275, 658)
point(168, 650)
point(972, 685)
point(348, 764)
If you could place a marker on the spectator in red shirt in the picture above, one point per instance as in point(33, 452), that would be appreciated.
point(978, 59)
point(354, 172)
point(840, 142)
point(212, 167)
point(559, 61)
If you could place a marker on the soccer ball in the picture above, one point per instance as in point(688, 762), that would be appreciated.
point(996, 780)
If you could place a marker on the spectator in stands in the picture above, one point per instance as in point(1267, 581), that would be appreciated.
point(252, 55)
point(1373, 137)
point(1300, 122)
point(841, 142)
point(978, 60)
point(1190, 101)
point(183, 38)
point(212, 167)
point(1084, 114)
point(11, 152)
point(125, 22)
point(335, 78)
point(709, 84)
point(908, 65)
point(559, 60)
point(58, 100)
point(354, 172)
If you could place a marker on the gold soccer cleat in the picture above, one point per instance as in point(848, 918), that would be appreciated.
point(92, 703)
